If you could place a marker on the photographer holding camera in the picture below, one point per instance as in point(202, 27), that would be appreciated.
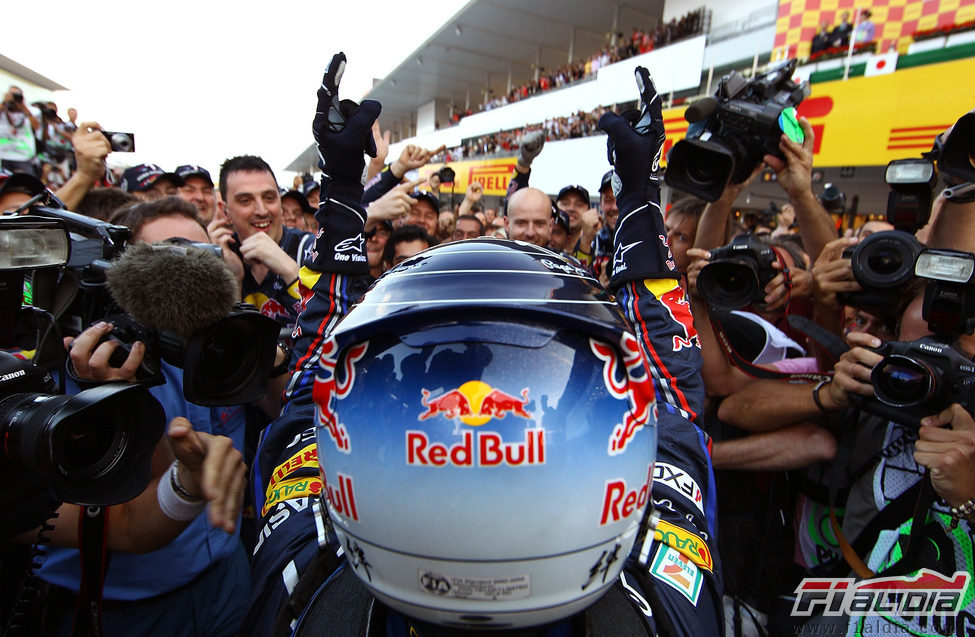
point(18, 126)
point(196, 583)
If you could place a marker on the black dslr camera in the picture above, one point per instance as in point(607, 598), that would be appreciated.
point(447, 175)
point(93, 448)
point(922, 377)
point(881, 263)
point(730, 133)
point(737, 273)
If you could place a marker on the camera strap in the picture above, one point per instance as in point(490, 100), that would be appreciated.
point(891, 516)
point(751, 368)
point(92, 527)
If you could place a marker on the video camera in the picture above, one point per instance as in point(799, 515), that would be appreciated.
point(730, 133)
point(224, 363)
point(922, 377)
point(737, 274)
point(93, 448)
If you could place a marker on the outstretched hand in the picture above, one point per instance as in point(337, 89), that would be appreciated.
point(210, 467)
point(635, 144)
point(342, 128)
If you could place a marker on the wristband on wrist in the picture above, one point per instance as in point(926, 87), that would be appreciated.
point(964, 512)
point(815, 394)
point(176, 502)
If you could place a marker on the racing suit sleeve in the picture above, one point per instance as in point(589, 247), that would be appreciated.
point(292, 533)
point(676, 565)
point(379, 185)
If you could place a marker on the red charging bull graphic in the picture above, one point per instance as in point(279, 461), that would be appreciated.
point(474, 403)
point(636, 387)
point(327, 387)
point(672, 298)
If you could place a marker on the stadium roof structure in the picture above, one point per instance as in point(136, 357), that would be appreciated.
point(19, 70)
point(488, 39)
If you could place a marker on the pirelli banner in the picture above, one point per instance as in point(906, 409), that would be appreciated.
point(869, 121)
point(864, 121)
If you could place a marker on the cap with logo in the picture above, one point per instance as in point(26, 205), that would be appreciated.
point(427, 196)
point(308, 187)
point(186, 171)
point(143, 176)
point(561, 218)
point(576, 188)
point(606, 181)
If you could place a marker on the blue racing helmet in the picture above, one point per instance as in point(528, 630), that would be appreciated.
point(486, 435)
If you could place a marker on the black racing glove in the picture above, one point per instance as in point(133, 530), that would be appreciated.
point(343, 131)
point(634, 147)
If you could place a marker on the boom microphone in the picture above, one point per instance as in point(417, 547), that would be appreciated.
point(173, 288)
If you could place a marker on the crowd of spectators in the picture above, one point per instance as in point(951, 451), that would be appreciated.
point(760, 430)
point(639, 42)
point(34, 138)
point(580, 124)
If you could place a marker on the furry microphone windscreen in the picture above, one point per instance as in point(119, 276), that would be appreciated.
point(173, 288)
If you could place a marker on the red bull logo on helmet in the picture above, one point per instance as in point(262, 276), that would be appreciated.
point(328, 387)
point(620, 501)
point(474, 403)
point(489, 450)
point(636, 387)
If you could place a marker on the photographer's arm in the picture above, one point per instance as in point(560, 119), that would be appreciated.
point(795, 176)
point(208, 467)
point(90, 150)
point(712, 228)
point(953, 227)
point(791, 447)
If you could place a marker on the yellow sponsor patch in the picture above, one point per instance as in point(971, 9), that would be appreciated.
point(307, 457)
point(685, 542)
point(291, 489)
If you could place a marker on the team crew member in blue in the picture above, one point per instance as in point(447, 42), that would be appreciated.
point(196, 584)
point(309, 568)
point(262, 252)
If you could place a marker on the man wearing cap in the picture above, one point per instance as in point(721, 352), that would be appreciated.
point(197, 189)
point(296, 211)
point(310, 190)
point(149, 182)
point(602, 247)
point(560, 232)
point(424, 213)
point(583, 221)
point(18, 189)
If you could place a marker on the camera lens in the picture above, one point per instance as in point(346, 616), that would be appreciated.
point(728, 285)
point(700, 168)
point(93, 447)
point(886, 259)
point(900, 381)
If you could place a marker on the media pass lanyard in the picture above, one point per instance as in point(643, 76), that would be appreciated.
point(92, 526)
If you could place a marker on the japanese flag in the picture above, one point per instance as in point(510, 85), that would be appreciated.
point(881, 64)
